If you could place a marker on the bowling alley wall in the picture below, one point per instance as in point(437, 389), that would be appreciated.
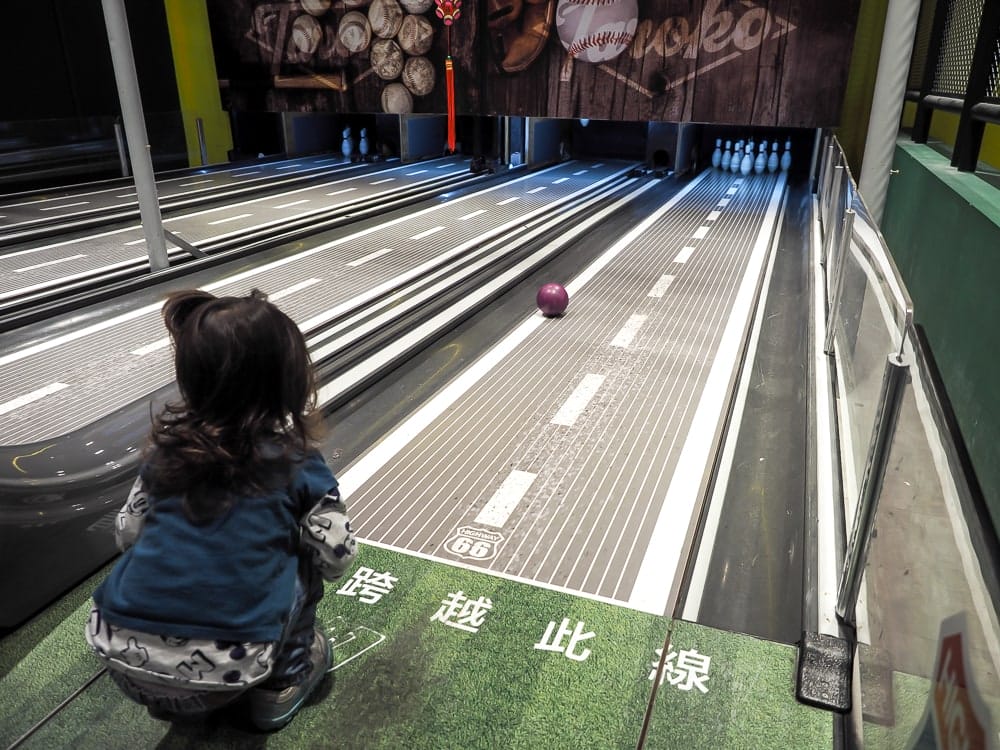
point(742, 62)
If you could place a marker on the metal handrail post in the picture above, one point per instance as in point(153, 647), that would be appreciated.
point(890, 400)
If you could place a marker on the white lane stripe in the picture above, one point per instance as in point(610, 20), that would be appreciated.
point(126, 195)
point(560, 181)
point(474, 213)
point(738, 181)
point(625, 336)
point(683, 255)
point(505, 499)
point(282, 293)
point(379, 182)
point(288, 166)
point(142, 351)
point(582, 171)
point(137, 242)
point(661, 286)
point(712, 216)
point(49, 263)
point(443, 166)
point(230, 218)
point(700, 232)
point(371, 256)
point(508, 200)
point(723, 202)
point(28, 398)
point(246, 173)
point(537, 189)
point(428, 233)
point(338, 192)
point(578, 400)
point(598, 165)
point(419, 171)
point(731, 191)
point(196, 182)
point(667, 543)
point(67, 205)
point(293, 203)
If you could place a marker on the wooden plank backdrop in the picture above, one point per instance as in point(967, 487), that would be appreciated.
point(742, 62)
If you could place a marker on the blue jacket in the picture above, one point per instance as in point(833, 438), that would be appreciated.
point(232, 579)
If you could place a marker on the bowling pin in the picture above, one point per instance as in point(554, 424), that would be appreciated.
point(746, 166)
point(737, 158)
point(727, 157)
point(717, 154)
point(772, 160)
point(347, 145)
point(786, 158)
point(761, 161)
point(363, 146)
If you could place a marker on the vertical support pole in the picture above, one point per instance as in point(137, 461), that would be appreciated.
point(814, 164)
point(202, 146)
point(887, 103)
point(122, 153)
point(890, 400)
point(846, 233)
point(135, 131)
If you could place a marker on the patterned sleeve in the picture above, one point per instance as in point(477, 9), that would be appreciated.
point(326, 529)
point(130, 519)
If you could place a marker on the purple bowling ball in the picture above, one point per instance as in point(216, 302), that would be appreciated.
point(552, 300)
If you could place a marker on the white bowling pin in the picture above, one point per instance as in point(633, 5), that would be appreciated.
point(717, 154)
point(347, 145)
point(746, 166)
point(363, 146)
point(761, 161)
point(737, 157)
point(786, 158)
point(727, 157)
point(772, 160)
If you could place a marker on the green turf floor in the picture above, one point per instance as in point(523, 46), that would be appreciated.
point(453, 658)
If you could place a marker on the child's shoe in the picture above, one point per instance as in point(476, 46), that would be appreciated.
point(273, 709)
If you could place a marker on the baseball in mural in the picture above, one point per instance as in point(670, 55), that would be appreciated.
point(418, 76)
point(306, 33)
point(596, 30)
point(385, 17)
point(386, 59)
point(355, 33)
point(316, 7)
point(397, 99)
point(416, 35)
point(417, 6)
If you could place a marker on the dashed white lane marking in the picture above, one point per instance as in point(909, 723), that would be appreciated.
point(732, 191)
point(509, 200)
point(661, 286)
point(505, 499)
point(427, 233)
point(142, 351)
point(474, 213)
point(137, 242)
point(371, 256)
point(230, 218)
point(683, 255)
point(737, 182)
point(700, 232)
point(713, 216)
point(578, 400)
point(288, 166)
point(443, 166)
point(598, 165)
point(560, 181)
point(246, 173)
point(196, 182)
point(582, 171)
point(338, 192)
point(419, 171)
point(293, 203)
point(537, 189)
point(49, 263)
point(281, 294)
point(379, 182)
point(126, 195)
point(625, 336)
point(723, 202)
point(28, 398)
point(65, 205)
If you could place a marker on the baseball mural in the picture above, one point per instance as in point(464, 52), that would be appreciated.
point(743, 62)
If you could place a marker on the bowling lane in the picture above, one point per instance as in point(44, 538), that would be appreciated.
point(36, 268)
point(77, 374)
point(572, 453)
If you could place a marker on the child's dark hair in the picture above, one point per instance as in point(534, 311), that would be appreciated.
point(248, 401)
